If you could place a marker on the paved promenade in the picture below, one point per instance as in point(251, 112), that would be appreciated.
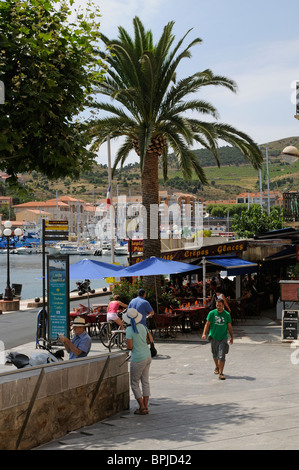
point(256, 407)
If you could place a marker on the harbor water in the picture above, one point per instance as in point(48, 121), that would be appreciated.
point(27, 270)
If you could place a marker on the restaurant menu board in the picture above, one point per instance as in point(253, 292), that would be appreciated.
point(58, 296)
point(290, 324)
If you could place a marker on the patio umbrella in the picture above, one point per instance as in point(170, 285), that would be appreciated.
point(154, 267)
point(90, 269)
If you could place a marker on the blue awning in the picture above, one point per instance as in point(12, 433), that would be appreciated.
point(233, 265)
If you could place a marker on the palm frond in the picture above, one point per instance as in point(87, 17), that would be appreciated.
point(122, 154)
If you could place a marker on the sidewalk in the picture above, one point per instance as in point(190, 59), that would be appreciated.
point(256, 407)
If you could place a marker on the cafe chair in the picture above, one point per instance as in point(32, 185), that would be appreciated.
point(161, 325)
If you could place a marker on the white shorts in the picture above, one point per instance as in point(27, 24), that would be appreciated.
point(112, 316)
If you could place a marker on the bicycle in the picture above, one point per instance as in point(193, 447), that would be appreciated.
point(106, 331)
point(118, 340)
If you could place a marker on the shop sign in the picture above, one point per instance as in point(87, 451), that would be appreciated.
point(212, 250)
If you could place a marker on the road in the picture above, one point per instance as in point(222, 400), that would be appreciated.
point(17, 328)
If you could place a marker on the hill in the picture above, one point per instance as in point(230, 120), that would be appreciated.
point(233, 177)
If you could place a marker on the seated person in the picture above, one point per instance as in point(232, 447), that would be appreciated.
point(112, 310)
point(81, 342)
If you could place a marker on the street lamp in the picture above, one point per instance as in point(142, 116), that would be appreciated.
point(7, 232)
point(290, 154)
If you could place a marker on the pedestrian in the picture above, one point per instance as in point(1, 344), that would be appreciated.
point(81, 342)
point(217, 324)
point(216, 294)
point(112, 310)
point(138, 337)
point(142, 306)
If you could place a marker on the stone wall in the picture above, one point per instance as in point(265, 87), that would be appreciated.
point(42, 403)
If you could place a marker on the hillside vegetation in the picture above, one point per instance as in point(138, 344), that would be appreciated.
point(233, 177)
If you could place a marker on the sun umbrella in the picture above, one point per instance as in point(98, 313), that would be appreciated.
point(90, 269)
point(156, 266)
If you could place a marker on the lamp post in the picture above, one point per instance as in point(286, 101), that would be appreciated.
point(7, 232)
point(290, 154)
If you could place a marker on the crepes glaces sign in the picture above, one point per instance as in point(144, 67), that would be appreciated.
point(58, 296)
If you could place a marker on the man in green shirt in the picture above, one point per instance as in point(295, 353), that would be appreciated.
point(218, 322)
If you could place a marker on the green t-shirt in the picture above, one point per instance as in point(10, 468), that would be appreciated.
point(140, 349)
point(219, 322)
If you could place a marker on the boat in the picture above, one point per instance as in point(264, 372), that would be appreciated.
point(121, 250)
point(106, 251)
point(73, 248)
point(67, 248)
point(27, 250)
point(84, 250)
point(106, 248)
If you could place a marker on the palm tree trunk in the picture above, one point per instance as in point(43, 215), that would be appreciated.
point(151, 220)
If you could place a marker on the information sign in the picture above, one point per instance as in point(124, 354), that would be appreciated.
point(58, 296)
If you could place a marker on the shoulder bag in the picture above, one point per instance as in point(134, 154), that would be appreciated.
point(153, 349)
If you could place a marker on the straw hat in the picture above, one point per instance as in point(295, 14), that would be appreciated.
point(132, 313)
point(79, 322)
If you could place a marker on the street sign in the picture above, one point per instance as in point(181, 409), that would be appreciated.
point(56, 230)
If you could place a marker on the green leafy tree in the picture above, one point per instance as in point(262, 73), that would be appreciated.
point(151, 111)
point(254, 221)
point(49, 67)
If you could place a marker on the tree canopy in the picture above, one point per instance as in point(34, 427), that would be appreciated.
point(255, 220)
point(49, 66)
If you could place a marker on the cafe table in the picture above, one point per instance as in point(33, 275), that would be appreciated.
point(192, 314)
point(92, 320)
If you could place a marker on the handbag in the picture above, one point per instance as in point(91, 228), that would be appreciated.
point(153, 349)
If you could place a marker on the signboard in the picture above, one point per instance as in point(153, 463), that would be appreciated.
point(290, 325)
point(56, 230)
point(229, 248)
point(58, 296)
point(136, 245)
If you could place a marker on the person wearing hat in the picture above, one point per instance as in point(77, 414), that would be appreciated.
point(137, 341)
point(81, 342)
point(142, 306)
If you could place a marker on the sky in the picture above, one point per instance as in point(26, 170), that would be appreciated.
point(254, 43)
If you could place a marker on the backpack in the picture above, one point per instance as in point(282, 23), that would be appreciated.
point(213, 302)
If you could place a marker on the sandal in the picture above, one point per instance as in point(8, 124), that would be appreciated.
point(222, 377)
point(216, 370)
point(141, 411)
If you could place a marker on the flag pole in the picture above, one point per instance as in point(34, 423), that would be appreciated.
point(112, 228)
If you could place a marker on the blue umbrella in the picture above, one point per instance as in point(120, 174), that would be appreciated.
point(156, 266)
point(90, 269)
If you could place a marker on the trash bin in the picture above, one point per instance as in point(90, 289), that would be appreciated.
point(17, 289)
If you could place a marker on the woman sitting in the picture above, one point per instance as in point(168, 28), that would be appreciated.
point(112, 310)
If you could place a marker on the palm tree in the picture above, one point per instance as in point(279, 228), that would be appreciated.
point(152, 112)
